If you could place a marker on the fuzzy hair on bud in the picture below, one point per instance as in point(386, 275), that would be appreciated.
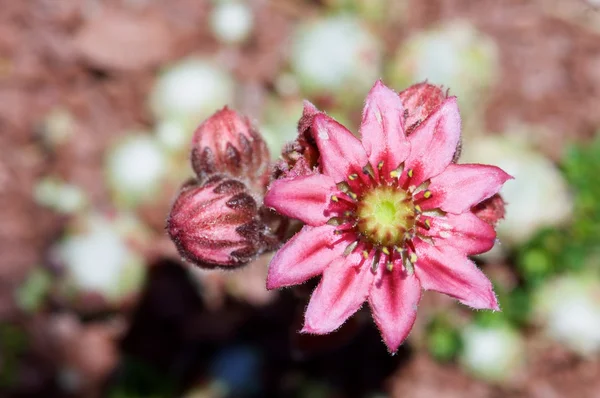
point(216, 223)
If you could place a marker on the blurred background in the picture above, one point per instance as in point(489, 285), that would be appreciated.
point(98, 102)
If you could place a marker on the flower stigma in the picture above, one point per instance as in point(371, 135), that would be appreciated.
point(384, 215)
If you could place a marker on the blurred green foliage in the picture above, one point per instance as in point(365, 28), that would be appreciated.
point(575, 247)
point(13, 344)
point(139, 379)
point(443, 339)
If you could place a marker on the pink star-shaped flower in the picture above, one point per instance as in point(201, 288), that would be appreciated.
point(385, 216)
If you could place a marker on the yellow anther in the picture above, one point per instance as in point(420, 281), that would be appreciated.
point(427, 194)
point(413, 258)
point(410, 173)
point(334, 198)
point(418, 209)
point(352, 195)
point(394, 174)
point(427, 223)
point(353, 177)
point(389, 266)
point(385, 250)
point(365, 254)
point(380, 165)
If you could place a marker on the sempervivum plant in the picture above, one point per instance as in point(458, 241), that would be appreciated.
point(385, 215)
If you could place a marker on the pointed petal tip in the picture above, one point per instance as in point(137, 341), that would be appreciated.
point(379, 84)
point(393, 344)
point(309, 108)
point(483, 301)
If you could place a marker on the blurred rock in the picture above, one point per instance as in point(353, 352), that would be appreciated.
point(117, 40)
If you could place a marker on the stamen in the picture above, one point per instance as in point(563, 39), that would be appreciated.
point(368, 170)
point(385, 250)
point(427, 194)
point(335, 221)
point(352, 195)
point(427, 224)
point(350, 248)
point(389, 266)
point(380, 165)
point(410, 269)
point(353, 177)
point(375, 262)
point(408, 264)
point(410, 173)
point(343, 186)
point(413, 258)
point(427, 239)
point(434, 213)
point(418, 209)
point(334, 198)
point(398, 172)
point(365, 254)
point(422, 187)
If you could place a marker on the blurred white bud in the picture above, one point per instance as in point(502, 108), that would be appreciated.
point(192, 89)
point(59, 196)
point(232, 21)
point(135, 168)
point(454, 55)
point(569, 308)
point(98, 256)
point(492, 353)
point(336, 53)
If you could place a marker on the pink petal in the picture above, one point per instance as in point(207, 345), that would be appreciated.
point(393, 300)
point(462, 186)
point(307, 254)
point(443, 269)
point(465, 232)
point(304, 197)
point(341, 292)
point(342, 153)
point(433, 143)
point(382, 128)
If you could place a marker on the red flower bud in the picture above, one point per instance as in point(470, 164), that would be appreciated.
point(228, 143)
point(301, 154)
point(216, 224)
point(490, 210)
point(419, 101)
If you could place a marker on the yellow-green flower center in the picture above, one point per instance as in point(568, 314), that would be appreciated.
point(385, 214)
